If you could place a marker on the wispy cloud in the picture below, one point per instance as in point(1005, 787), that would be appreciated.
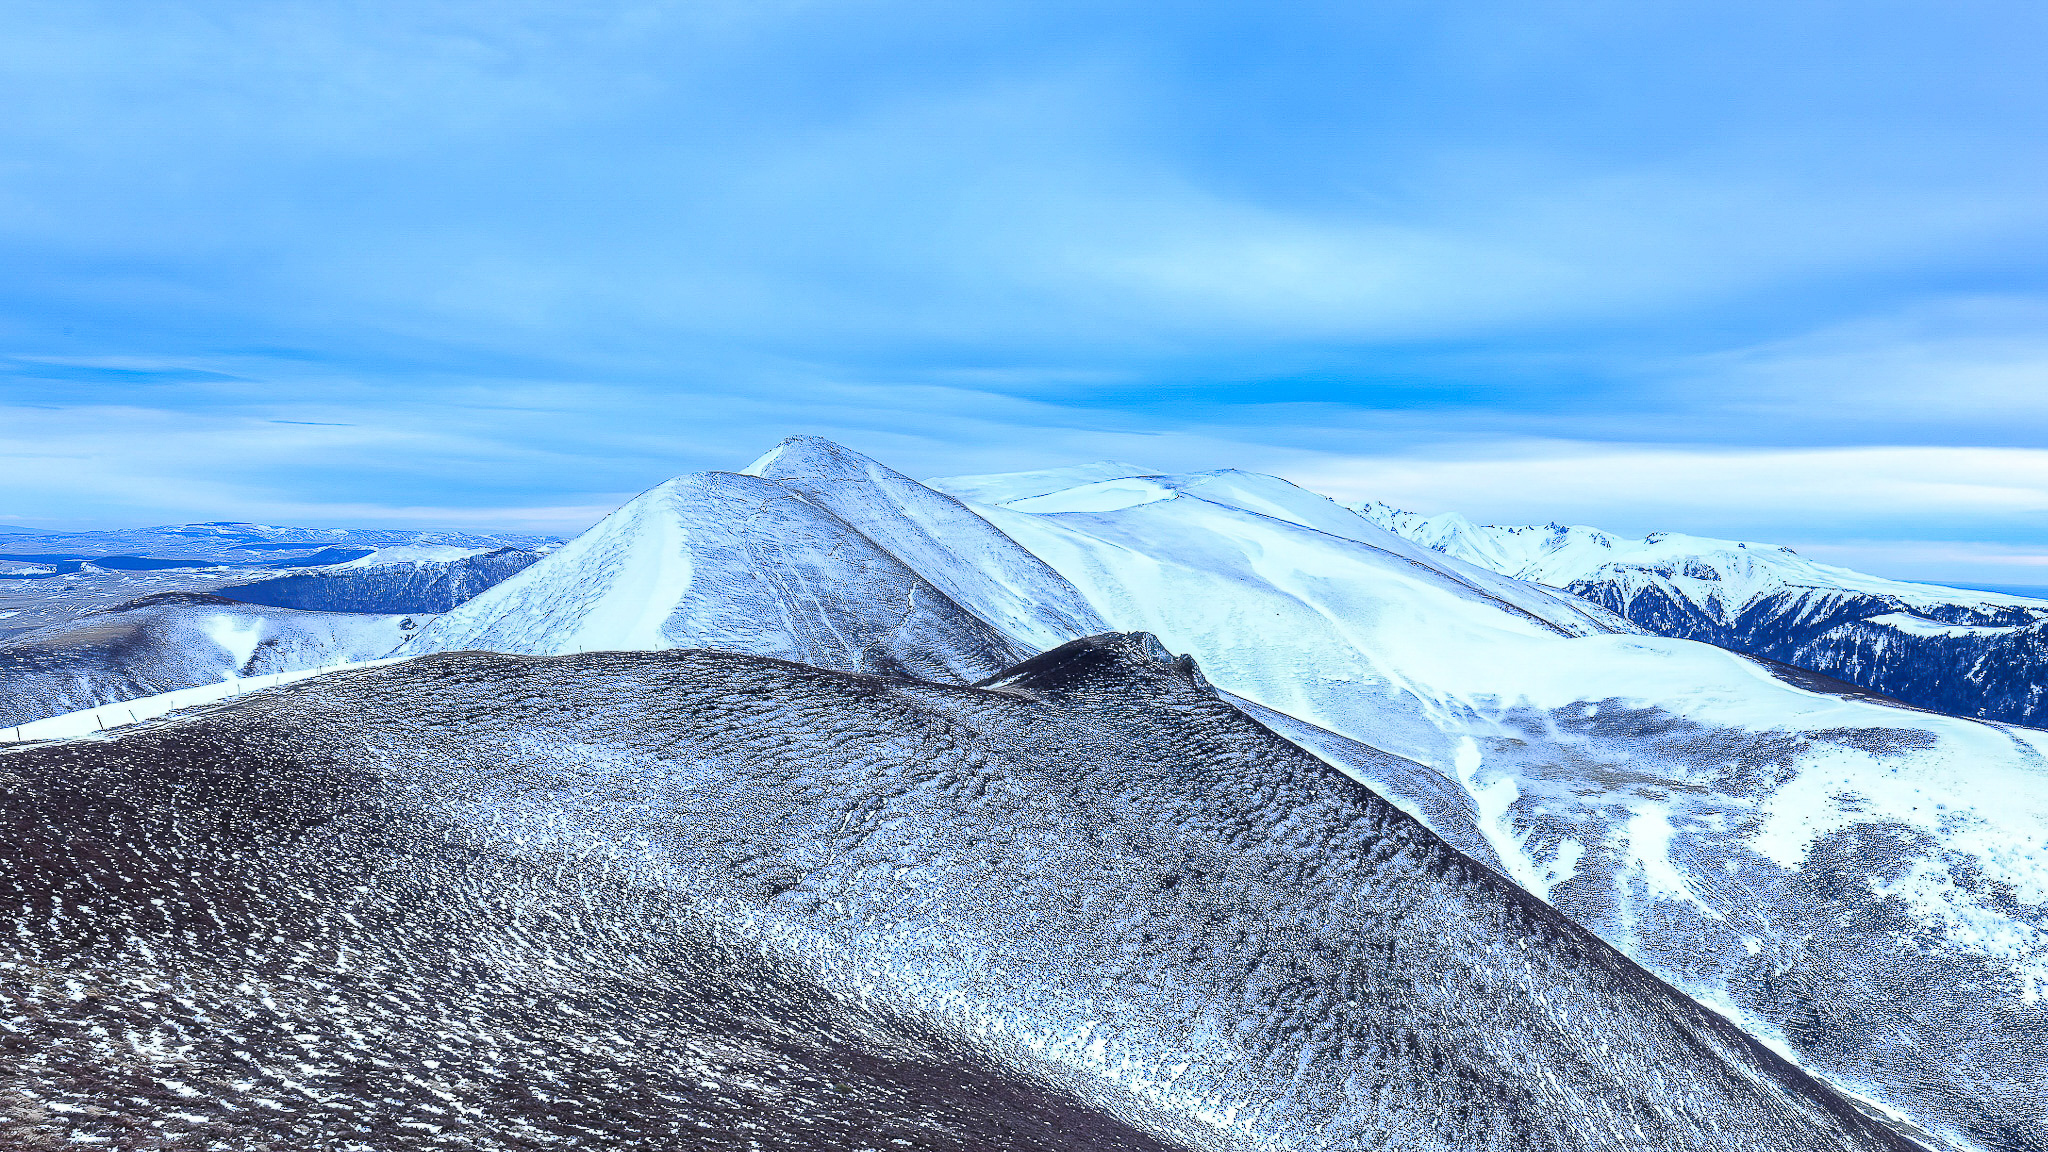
point(1939, 560)
point(455, 255)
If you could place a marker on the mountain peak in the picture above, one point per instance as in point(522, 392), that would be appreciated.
point(807, 454)
point(815, 554)
point(1115, 657)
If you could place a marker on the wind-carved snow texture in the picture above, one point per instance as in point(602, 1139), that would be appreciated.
point(1978, 654)
point(691, 899)
point(833, 561)
point(176, 640)
point(377, 582)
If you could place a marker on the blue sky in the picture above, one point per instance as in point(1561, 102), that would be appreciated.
point(1767, 270)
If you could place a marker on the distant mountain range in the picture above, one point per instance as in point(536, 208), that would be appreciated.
point(1973, 653)
point(94, 646)
point(229, 542)
point(175, 640)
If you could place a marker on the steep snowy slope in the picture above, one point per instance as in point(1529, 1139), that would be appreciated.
point(976, 566)
point(1993, 672)
point(411, 578)
point(176, 640)
point(1866, 885)
point(1271, 497)
point(1972, 653)
point(836, 562)
point(707, 901)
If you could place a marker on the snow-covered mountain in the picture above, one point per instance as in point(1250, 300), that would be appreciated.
point(68, 575)
point(814, 555)
point(698, 900)
point(401, 578)
point(1861, 885)
point(1699, 809)
point(1981, 654)
point(188, 628)
point(1695, 807)
point(175, 640)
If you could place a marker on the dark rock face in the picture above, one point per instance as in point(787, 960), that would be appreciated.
point(1993, 676)
point(693, 899)
point(425, 586)
point(1990, 675)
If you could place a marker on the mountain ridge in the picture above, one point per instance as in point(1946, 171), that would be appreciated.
point(1089, 906)
point(1858, 884)
point(1968, 652)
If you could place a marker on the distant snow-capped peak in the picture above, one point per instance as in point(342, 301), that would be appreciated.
point(1731, 573)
